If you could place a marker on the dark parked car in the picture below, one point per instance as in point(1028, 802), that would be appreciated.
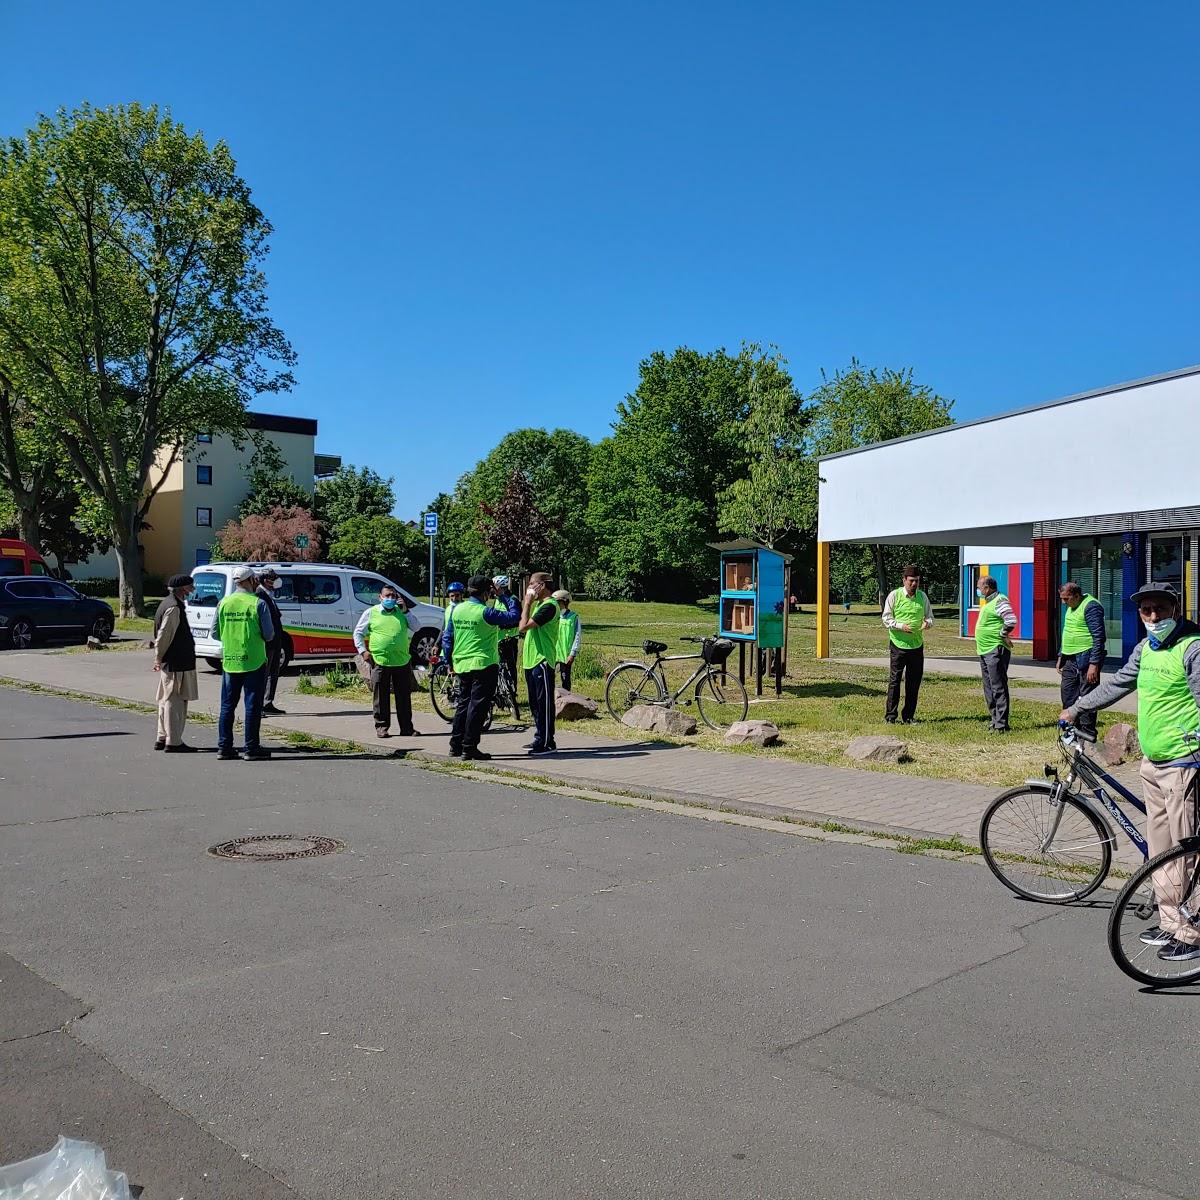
point(45, 609)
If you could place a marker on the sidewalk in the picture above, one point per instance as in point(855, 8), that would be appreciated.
point(659, 770)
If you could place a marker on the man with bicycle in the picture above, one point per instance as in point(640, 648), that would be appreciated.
point(1164, 670)
point(509, 638)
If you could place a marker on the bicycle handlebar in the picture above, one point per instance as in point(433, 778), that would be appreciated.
point(1072, 732)
point(691, 639)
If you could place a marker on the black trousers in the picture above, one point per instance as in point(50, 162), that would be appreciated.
point(1073, 684)
point(274, 663)
point(564, 674)
point(476, 693)
point(540, 681)
point(908, 665)
point(994, 667)
point(387, 682)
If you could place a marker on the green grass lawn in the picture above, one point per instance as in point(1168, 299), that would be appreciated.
point(144, 623)
point(825, 704)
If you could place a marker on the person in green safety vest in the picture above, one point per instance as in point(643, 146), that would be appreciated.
point(907, 613)
point(570, 634)
point(993, 644)
point(1164, 670)
point(539, 624)
point(1081, 650)
point(510, 639)
point(244, 629)
point(382, 638)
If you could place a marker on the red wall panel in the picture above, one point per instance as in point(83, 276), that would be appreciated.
point(1043, 596)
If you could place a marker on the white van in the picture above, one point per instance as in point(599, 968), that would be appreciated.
point(320, 604)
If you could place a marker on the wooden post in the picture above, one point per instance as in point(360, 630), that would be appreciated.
point(759, 655)
point(822, 599)
point(742, 663)
point(787, 614)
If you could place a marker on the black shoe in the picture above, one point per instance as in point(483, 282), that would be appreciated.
point(256, 755)
point(998, 729)
point(227, 755)
point(543, 752)
point(1156, 935)
point(890, 720)
point(908, 720)
point(271, 711)
point(182, 748)
point(160, 744)
point(476, 755)
point(1177, 951)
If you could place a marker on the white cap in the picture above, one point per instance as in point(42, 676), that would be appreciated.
point(242, 574)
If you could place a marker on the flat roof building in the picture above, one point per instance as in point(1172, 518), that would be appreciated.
point(1102, 486)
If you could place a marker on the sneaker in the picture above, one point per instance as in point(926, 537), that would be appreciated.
point(890, 720)
point(477, 755)
point(543, 752)
point(269, 710)
point(182, 748)
point(227, 755)
point(908, 720)
point(1177, 951)
point(382, 733)
point(1156, 935)
point(160, 744)
point(256, 755)
point(410, 733)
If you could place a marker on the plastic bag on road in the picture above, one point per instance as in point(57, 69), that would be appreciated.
point(72, 1170)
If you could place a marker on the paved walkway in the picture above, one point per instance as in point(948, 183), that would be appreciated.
point(758, 785)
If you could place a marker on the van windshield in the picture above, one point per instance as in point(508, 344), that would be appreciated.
point(210, 589)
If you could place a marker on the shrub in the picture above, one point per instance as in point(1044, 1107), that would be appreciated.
point(600, 585)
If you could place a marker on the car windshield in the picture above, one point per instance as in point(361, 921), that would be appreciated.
point(210, 589)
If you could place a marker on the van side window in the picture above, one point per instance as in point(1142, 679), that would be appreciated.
point(317, 589)
point(285, 593)
point(366, 588)
point(37, 568)
point(12, 566)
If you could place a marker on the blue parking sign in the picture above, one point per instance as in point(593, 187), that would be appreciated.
point(431, 524)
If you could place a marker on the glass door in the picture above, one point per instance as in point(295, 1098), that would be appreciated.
point(1109, 588)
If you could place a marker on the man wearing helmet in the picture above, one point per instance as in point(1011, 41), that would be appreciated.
point(509, 638)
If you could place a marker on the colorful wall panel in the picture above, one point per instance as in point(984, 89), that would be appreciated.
point(1015, 580)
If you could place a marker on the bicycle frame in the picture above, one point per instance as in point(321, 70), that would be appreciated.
point(1095, 778)
point(659, 659)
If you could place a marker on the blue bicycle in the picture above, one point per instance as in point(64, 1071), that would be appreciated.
point(1053, 841)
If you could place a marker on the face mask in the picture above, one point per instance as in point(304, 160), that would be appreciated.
point(388, 604)
point(1159, 631)
point(276, 584)
point(979, 593)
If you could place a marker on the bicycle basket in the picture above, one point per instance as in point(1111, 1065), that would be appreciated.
point(715, 650)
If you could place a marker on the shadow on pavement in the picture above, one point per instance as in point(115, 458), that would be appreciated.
point(60, 737)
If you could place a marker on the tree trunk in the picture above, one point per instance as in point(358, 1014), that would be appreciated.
point(881, 582)
point(129, 566)
point(31, 528)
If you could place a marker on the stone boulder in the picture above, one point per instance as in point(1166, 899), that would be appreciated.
point(752, 733)
point(1120, 743)
point(877, 748)
point(652, 719)
point(570, 706)
point(94, 643)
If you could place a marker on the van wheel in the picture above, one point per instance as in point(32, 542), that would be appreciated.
point(423, 645)
point(215, 663)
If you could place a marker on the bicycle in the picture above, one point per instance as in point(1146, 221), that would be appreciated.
point(1134, 925)
point(444, 693)
point(720, 698)
point(1054, 841)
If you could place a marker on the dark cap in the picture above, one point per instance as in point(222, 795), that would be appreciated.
point(178, 581)
point(268, 573)
point(479, 584)
point(1156, 589)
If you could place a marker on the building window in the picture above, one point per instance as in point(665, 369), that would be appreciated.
point(204, 517)
point(203, 557)
point(204, 437)
point(203, 473)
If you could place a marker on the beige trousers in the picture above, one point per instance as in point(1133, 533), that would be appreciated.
point(172, 716)
point(1170, 795)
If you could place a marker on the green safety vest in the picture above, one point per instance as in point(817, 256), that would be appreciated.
point(387, 636)
point(1076, 636)
point(499, 604)
point(242, 645)
point(568, 623)
point(989, 629)
point(1166, 707)
point(541, 641)
point(475, 641)
point(908, 610)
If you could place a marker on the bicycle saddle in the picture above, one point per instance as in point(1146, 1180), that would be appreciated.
point(654, 647)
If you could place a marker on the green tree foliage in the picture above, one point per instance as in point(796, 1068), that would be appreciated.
point(353, 493)
point(676, 446)
point(271, 537)
point(385, 545)
point(858, 407)
point(518, 536)
point(270, 485)
point(133, 309)
point(777, 495)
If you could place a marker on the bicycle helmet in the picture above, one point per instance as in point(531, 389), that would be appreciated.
point(455, 587)
point(501, 581)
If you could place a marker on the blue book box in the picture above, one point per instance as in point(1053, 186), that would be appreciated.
point(754, 601)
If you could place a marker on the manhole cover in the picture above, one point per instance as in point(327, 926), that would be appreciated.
point(274, 847)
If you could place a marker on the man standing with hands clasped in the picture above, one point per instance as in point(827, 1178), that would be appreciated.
point(382, 638)
point(907, 613)
point(1082, 650)
point(175, 662)
point(993, 644)
point(268, 584)
point(539, 624)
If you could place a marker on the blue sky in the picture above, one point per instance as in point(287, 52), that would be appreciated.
point(486, 214)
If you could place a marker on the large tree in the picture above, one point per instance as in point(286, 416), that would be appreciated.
point(518, 536)
point(351, 493)
point(860, 406)
point(677, 444)
point(386, 545)
point(132, 301)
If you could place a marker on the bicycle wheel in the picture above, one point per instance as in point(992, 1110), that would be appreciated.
point(721, 702)
point(443, 691)
point(632, 684)
point(1045, 850)
point(1171, 878)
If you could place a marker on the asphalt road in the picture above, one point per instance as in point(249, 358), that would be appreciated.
point(498, 992)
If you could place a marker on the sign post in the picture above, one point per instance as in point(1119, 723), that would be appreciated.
point(431, 528)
